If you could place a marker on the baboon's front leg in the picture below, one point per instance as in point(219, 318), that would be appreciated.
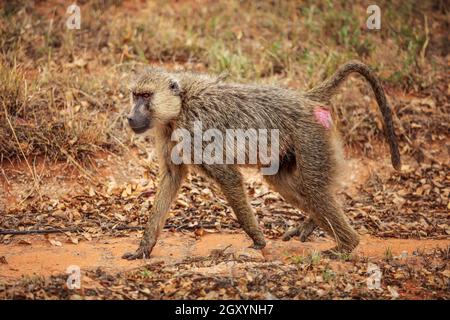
point(230, 180)
point(169, 185)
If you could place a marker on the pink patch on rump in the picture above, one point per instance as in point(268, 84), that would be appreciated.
point(323, 116)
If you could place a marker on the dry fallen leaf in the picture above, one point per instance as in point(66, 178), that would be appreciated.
point(55, 243)
point(120, 217)
point(393, 292)
point(73, 240)
point(24, 242)
point(87, 236)
point(199, 232)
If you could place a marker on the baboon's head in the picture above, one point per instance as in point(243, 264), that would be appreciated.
point(155, 100)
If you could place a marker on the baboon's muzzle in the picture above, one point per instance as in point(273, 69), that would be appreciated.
point(138, 125)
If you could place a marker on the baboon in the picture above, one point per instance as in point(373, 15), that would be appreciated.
point(309, 149)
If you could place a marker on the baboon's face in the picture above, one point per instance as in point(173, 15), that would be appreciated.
point(155, 101)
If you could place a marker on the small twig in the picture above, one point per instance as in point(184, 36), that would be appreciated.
point(91, 99)
point(4, 175)
point(426, 219)
point(62, 230)
point(186, 226)
point(119, 228)
point(119, 142)
point(73, 161)
point(76, 164)
point(46, 231)
point(425, 44)
point(20, 147)
point(262, 195)
point(129, 228)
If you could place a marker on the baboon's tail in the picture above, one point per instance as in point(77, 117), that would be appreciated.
point(324, 92)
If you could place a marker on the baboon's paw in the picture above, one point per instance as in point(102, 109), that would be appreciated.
point(258, 245)
point(140, 253)
point(306, 229)
point(303, 231)
point(290, 233)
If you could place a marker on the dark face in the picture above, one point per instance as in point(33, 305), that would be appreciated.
point(156, 100)
point(140, 115)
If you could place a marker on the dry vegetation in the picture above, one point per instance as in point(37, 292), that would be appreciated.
point(63, 96)
point(63, 92)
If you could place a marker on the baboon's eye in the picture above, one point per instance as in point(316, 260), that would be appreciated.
point(146, 95)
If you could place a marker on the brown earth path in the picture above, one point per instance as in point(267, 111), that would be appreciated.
point(34, 255)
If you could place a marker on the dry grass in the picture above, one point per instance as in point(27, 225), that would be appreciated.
point(65, 91)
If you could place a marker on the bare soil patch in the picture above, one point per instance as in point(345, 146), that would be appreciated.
point(29, 256)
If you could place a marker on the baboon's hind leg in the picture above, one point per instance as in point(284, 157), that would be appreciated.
point(284, 183)
point(303, 231)
point(321, 205)
point(327, 214)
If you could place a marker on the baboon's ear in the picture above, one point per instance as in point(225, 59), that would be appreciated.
point(174, 86)
point(223, 76)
